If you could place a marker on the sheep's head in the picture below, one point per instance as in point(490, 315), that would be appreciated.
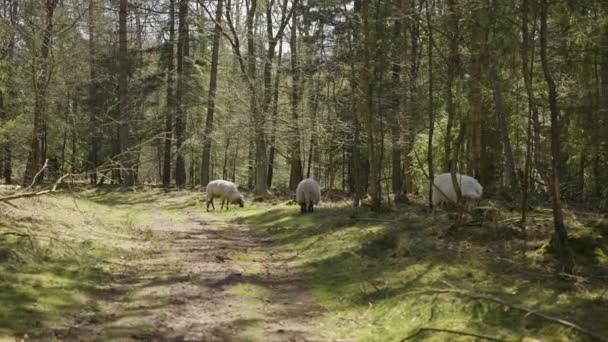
point(239, 200)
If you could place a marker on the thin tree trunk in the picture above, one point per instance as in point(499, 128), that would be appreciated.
point(207, 138)
point(561, 236)
point(170, 102)
point(42, 71)
point(431, 109)
point(528, 74)
point(180, 118)
point(452, 74)
point(501, 114)
point(128, 174)
point(275, 115)
point(295, 175)
point(475, 98)
point(367, 107)
point(94, 129)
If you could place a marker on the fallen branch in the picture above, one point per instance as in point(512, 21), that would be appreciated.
point(34, 194)
point(448, 331)
point(491, 298)
point(46, 163)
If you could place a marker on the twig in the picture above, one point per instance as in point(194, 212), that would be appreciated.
point(34, 194)
point(448, 331)
point(46, 163)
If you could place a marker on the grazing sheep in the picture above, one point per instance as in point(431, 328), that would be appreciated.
point(225, 190)
point(308, 193)
point(444, 193)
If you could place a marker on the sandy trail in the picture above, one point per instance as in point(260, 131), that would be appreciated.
point(193, 288)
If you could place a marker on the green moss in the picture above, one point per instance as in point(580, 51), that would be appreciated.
point(75, 246)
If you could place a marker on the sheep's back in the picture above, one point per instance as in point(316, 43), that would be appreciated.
point(220, 188)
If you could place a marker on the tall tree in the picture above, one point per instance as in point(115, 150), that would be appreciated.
point(94, 130)
point(295, 153)
point(367, 106)
point(170, 102)
point(561, 236)
point(127, 166)
point(431, 110)
point(275, 115)
point(183, 51)
point(207, 138)
point(6, 148)
point(477, 47)
point(42, 71)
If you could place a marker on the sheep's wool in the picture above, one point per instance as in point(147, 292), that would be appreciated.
point(469, 187)
point(308, 192)
point(222, 189)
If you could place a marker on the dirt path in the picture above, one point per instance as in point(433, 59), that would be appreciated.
point(207, 280)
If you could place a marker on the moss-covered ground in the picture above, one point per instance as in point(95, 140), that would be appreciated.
point(378, 276)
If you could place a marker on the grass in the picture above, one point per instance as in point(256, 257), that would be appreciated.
point(76, 245)
point(376, 273)
point(379, 276)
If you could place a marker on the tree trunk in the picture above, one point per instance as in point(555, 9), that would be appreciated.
point(561, 236)
point(475, 98)
point(367, 107)
point(295, 155)
point(170, 102)
point(180, 118)
point(275, 115)
point(431, 109)
point(128, 174)
point(410, 93)
point(212, 93)
point(503, 127)
point(528, 74)
point(42, 71)
point(94, 129)
point(5, 106)
point(399, 97)
point(452, 73)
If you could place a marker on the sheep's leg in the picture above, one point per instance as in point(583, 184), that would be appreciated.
point(210, 201)
point(302, 208)
point(310, 207)
point(222, 207)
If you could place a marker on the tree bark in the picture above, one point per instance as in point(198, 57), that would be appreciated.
point(561, 236)
point(452, 73)
point(170, 102)
point(295, 160)
point(207, 138)
point(275, 116)
point(94, 129)
point(367, 106)
point(183, 51)
point(431, 109)
point(42, 70)
point(5, 106)
point(499, 107)
point(528, 74)
point(475, 98)
point(127, 171)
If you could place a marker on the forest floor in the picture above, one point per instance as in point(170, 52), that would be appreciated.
point(151, 265)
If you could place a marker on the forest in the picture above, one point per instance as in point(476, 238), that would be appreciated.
point(116, 114)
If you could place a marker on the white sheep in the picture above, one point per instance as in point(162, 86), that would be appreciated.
point(226, 191)
point(444, 193)
point(308, 194)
